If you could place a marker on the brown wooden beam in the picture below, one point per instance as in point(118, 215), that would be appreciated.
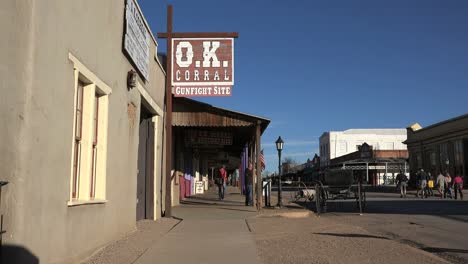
point(259, 166)
point(168, 200)
point(198, 35)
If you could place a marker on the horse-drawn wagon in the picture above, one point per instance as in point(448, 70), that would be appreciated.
point(338, 184)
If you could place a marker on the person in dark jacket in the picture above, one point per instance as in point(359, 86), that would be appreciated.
point(422, 177)
point(402, 182)
point(248, 183)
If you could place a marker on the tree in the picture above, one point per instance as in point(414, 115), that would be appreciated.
point(288, 163)
point(289, 160)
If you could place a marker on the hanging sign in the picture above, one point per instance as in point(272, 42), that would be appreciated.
point(202, 137)
point(202, 66)
point(137, 38)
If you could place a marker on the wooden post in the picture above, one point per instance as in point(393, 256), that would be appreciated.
point(168, 202)
point(251, 159)
point(259, 167)
point(169, 35)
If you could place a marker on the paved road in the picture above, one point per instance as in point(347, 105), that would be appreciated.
point(433, 225)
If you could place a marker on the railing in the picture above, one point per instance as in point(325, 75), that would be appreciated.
point(267, 191)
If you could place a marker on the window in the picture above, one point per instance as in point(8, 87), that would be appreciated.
point(459, 159)
point(78, 131)
point(89, 149)
point(443, 156)
point(433, 158)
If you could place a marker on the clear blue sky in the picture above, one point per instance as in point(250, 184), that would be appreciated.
point(313, 66)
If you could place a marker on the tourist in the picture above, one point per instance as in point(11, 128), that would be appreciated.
point(402, 182)
point(458, 186)
point(440, 182)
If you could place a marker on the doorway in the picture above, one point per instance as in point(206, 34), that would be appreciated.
point(145, 173)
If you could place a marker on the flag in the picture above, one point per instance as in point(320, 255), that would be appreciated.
point(262, 160)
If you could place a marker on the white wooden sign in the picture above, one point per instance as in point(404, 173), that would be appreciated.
point(199, 187)
point(137, 38)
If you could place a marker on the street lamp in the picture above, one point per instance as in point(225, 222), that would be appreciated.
point(279, 146)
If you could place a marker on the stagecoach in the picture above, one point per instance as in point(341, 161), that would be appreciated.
point(338, 184)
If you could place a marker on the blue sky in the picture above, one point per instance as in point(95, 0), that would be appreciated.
point(313, 66)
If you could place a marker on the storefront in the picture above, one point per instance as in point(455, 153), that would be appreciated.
point(441, 147)
point(378, 167)
point(206, 137)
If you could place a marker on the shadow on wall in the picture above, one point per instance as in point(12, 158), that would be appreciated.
point(17, 254)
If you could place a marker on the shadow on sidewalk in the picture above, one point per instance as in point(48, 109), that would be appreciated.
point(444, 250)
point(352, 235)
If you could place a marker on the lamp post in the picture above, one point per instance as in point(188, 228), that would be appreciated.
point(279, 146)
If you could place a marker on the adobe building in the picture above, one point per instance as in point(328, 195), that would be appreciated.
point(82, 126)
point(441, 147)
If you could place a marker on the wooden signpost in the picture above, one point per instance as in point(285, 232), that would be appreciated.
point(204, 67)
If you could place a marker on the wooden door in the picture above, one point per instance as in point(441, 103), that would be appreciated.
point(145, 179)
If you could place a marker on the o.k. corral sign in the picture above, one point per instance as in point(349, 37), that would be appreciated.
point(202, 66)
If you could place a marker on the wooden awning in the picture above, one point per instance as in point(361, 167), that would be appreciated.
point(191, 113)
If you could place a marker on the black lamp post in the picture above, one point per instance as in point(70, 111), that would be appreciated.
point(279, 146)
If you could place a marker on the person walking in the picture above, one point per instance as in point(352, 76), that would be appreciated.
point(402, 182)
point(248, 182)
point(430, 185)
point(422, 177)
point(458, 186)
point(448, 186)
point(440, 182)
point(222, 182)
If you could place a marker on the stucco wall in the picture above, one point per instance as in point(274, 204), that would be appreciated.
point(16, 83)
point(36, 112)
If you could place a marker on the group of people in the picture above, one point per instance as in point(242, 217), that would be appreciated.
point(222, 179)
point(446, 186)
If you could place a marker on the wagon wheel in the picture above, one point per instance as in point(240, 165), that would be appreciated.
point(320, 199)
point(360, 195)
point(298, 193)
point(363, 199)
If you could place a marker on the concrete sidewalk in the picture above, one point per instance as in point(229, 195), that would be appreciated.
point(202, 230)
point(210, 231)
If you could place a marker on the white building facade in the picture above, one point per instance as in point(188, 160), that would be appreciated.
point(334, 144)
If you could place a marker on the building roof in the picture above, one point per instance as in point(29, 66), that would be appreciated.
point(451, 128)
point(416, 129)
point(377, 131)
point(372, 131)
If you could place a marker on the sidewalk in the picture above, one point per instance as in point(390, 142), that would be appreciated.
point(211, 231)
point(202, 230)
point(206, 230)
